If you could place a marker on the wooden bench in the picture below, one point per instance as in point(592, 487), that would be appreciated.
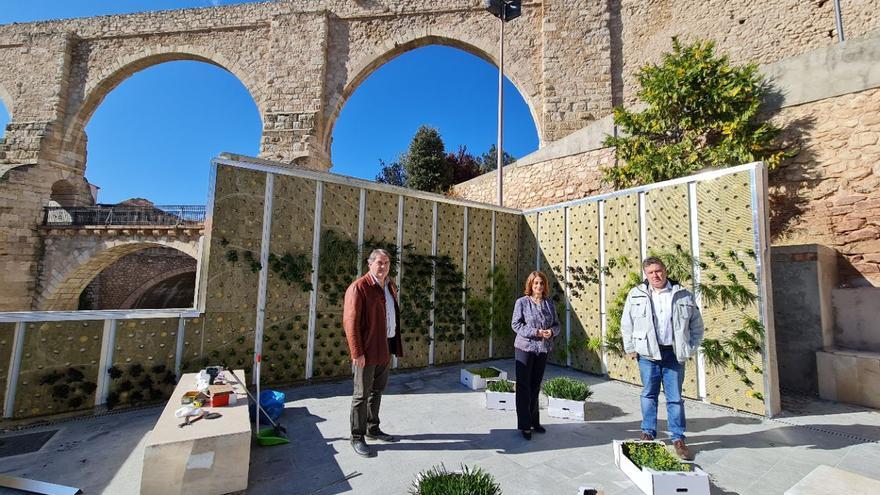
point(210, 456)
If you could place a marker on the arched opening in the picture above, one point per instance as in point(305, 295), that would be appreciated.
point(154, 123)
point(152, 278)
point(5, 114)
point(447, 84)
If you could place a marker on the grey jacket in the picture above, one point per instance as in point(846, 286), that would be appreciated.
point(638, 329)
point(528, 319)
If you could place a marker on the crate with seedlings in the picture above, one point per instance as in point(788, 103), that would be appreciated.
point(501, 395)
point(567, 397)
point(655, 470)
point(475, 378)
point(438, 480)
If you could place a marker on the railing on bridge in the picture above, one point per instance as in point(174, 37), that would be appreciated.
point(164, 215)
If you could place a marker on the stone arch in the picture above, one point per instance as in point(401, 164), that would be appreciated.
point(152, 283)
point(485, 48)
point(111, 76)
point(6, 100)
point(65, 286)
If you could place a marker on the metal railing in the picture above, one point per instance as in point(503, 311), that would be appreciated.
point(165, 215)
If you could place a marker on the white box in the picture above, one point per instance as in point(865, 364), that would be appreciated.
point(504, 401)
point(474, 382)
point(653, 482)
point(566, 409)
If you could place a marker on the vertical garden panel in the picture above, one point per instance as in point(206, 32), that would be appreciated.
point(621, 241)
point(337, 268)
point(727, 245)
point(479, 270)
point(448, 290)
point(192, 357)
point(415, 283)
point(528, 247)
point(142, 370)
point(667, 215)
point(508, 287)
point(7, 336)
point(59, 367)
point(583, 279)
point(288, 282)
point(233, 267)
point(380, 225)
point(552, 245)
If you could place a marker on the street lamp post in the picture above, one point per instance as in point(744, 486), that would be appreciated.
point(504, 10)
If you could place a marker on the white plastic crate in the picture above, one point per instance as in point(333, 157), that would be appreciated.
point(474, 382)
point(503, 401)
point(653, 482)
point(566, 409)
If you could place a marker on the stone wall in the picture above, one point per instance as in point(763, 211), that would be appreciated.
point(748, 30)
point(830, 192)
point(120, 284)
point(543, 183)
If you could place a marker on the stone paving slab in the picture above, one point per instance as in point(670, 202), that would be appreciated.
point(440, 421)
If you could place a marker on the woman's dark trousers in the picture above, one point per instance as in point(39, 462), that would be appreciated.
point(529, 373)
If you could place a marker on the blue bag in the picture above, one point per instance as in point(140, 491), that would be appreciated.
point(272, 402)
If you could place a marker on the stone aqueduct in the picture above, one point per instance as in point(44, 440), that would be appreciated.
point(300, 61)
point(571, 60)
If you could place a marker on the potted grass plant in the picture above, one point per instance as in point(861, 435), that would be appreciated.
point(501, 395)
point(567, 397)
point(475, 378)
point(655, 470)
point(438, 481)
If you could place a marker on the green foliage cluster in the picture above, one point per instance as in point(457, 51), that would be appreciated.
point(702, 111)
point(448, 292)
point(485, 372)
point(564, 387)
point(293, 268)
point(470, 481)
point(282, 347)
point(505, 386)
point(415, 295)
point(653, 455)
point(135, 385)
point(425, 162)
point(69, 386)
point(337, 265)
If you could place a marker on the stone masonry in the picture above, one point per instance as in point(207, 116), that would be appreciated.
point(571, 60)
point(299, 59)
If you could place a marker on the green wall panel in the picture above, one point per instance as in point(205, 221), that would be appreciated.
point(551, 239)
point(143, 362)
point(415, 282)
point(291, 232)
point(7, 336)
point(450, 238)
point(479, 267)
point(507, 254)
point(583, 251)
point(621, 221)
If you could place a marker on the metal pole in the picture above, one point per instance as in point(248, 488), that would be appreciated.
point(838, 19)
point(499, 158)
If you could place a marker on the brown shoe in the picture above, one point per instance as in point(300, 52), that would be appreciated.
point(682, 451)
point(646, 438)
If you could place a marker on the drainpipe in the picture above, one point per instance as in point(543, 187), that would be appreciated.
point(838, 18)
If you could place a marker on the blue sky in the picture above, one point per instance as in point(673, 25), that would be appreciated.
point(188, 112)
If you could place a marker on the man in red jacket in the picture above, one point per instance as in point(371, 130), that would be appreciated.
point(371, 318)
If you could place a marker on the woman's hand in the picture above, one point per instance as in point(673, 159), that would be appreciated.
point(546, 333)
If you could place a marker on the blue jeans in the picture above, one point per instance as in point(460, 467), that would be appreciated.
point(671, 373)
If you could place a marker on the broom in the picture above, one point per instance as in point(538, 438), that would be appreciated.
point(277, 435)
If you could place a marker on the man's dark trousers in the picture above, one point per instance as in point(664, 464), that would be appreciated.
point(369, 382)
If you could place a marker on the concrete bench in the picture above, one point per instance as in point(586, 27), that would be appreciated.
point(208, 457)
point(849, 376)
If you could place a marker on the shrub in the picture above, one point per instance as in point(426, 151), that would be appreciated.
point(500, 386)
point(485, 372)
point(563, 387)
point(470, 481)
point(654, 456)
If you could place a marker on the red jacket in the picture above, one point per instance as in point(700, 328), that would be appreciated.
point(363, 317)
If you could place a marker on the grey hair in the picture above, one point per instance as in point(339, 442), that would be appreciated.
point(377, 252)
point(652, 260)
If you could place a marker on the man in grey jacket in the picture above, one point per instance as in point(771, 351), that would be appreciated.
point(661, 328)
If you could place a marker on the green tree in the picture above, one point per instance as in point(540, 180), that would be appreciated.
point(392, 173)
point(425, 162)
point(489, 159)
point(702, 112)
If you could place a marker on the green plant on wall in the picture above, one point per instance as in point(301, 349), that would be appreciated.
point(702, 111)
point(337, 265)
point(293, 268)
point(501, 295)
point(137, 384)
point(69, 386)
point(415, 295)
point(448, 291)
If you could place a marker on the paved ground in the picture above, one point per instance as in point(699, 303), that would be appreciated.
point(439, 421)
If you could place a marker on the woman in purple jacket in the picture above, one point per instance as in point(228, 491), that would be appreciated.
point(535, 323)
